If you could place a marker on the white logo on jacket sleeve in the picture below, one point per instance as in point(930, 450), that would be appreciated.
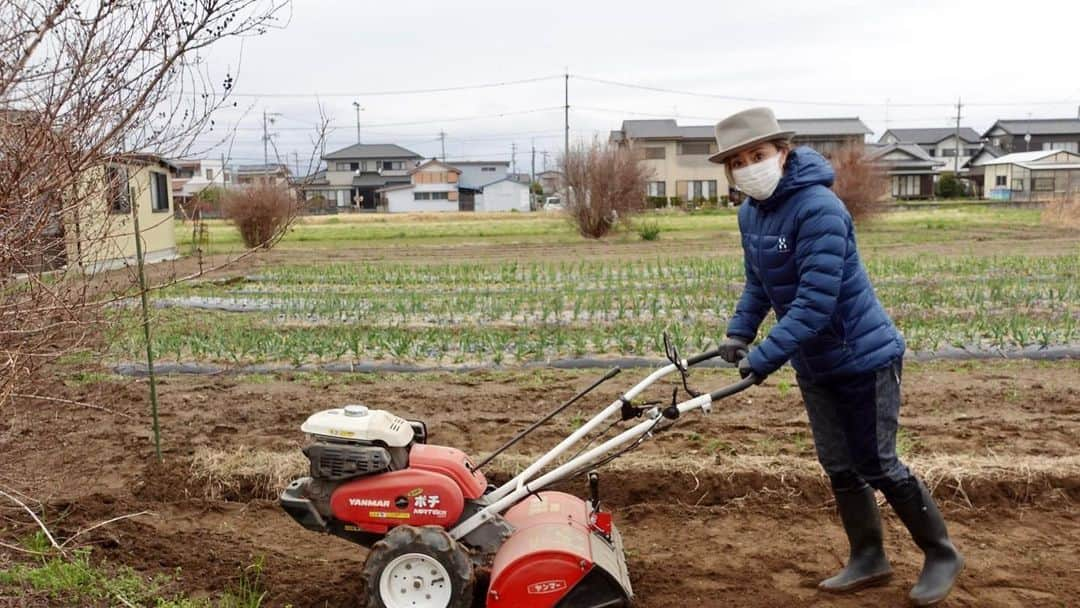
point(781, 244)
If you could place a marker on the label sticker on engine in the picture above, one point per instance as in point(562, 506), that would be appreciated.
point(387, 515)
point(546, 587)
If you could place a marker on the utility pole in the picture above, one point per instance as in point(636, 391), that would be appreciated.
point(532, 170)
point(442, 140)
point(956, 159)
point(566, 117)
point(266, 141)
point(356, 104)
point(545, 155)
point(513, 158)
point(296, 162)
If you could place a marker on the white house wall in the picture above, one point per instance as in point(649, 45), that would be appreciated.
point(504, 196)
point(474, 176)
point(402, 201)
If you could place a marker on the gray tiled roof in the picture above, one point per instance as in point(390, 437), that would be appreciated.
point(260, 169)
point(371, 151)
point(932, 136)
point(670, 129)
point(825, 126)
point(919, 157)
point(1039, 126)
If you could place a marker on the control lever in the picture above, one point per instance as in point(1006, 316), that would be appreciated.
point(594, 490)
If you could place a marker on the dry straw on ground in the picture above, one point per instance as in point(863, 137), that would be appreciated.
point(964, 481)
point(1063, 212)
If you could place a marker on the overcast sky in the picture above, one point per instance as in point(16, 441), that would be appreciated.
point(899, 64)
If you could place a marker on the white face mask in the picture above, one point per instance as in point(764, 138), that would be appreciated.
point(759, 180)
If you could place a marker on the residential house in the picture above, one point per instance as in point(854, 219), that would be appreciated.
point(910, 168)
point(354, 175)
point(511, 193)
point(100, 233)
point(940, 143)
point(1035, 134)
point(433, 186)
point(678, 156)
point(439, 186)
point(193, 177)
point(826, 135)
point(977, 172)
point(277, 174)
point(1041, 175)
point(474, 176)
point(551, 182)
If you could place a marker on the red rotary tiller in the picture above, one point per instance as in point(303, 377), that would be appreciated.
point(435, 526)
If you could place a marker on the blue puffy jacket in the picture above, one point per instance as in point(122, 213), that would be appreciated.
point(802, 261)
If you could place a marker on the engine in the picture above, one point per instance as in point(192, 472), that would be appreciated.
point(354, 441)
point(371, 471)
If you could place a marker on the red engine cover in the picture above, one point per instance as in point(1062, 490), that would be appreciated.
point(411, 496)
point(451, 462)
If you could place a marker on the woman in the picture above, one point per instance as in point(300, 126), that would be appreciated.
point(801, 260)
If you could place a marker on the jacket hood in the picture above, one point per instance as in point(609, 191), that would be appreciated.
point(804, 167)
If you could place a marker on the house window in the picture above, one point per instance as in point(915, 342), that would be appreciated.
point(116, 190)
point(209, 175)
point(1043, 184)
point(1018, 185)
point(971, 151)
point(421, 196)
point(1001, 180)
point(159, 191)
point(487, 169)
point(696, 149)
point(1068, 146)
point(657, 189)
point(696, 189)
point(906, 186)
point(931, 152)
point(392, 165)
point(440, 196)
point(655, 152)
point(948, 151)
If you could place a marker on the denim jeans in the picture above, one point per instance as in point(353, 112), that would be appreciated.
point(854, 422)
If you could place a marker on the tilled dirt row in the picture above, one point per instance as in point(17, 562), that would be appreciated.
point(727, 509)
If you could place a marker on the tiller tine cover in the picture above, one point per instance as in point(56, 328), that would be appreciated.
point(557, 558)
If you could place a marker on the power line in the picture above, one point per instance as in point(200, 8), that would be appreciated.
point(803, 102)
point(468, 87)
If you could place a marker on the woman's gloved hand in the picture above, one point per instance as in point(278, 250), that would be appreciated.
point(732, 349)
point(746, 371)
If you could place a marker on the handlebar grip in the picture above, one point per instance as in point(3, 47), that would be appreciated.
point(705, 356)
point(731, 389)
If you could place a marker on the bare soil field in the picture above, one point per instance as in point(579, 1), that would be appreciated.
point(728, 509)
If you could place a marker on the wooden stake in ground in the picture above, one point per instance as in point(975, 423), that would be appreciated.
point(144, 298)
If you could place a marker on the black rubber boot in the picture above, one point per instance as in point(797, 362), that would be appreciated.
point(867, 564)
point(942, 563)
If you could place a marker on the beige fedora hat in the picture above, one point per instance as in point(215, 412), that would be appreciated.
point(745, 129)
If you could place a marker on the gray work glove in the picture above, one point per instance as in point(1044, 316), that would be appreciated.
point(732, 349)
point(745, 371)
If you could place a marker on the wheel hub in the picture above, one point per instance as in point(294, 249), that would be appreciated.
point(415, 580)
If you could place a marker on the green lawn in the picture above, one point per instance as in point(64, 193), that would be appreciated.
point(334, 231)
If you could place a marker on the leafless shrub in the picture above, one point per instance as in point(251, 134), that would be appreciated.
point(84, 86)
point(860, 183)
point(605, 186)
point(260, 213)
